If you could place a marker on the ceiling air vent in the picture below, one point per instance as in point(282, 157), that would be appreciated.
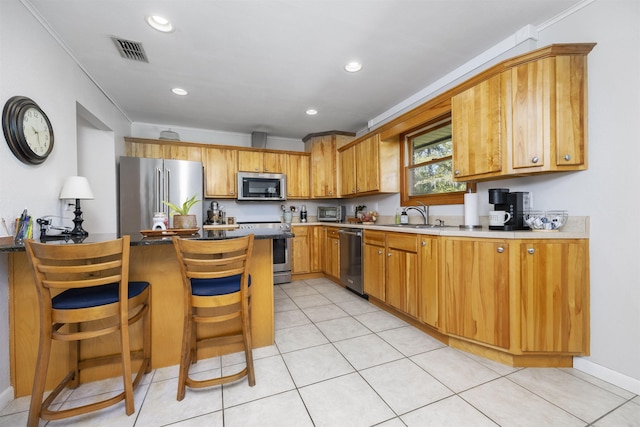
point(130, 50)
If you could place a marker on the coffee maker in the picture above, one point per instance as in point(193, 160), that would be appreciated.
point(515, 203)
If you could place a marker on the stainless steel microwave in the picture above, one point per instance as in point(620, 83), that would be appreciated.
point(332, 213)
point(262, 186)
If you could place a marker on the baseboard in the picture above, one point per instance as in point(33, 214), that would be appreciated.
point(606, 374)
point(6, 397)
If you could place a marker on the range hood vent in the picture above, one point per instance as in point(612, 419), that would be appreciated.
point(130, 50)
point(258, 139)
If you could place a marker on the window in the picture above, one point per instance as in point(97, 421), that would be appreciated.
point(428, 175)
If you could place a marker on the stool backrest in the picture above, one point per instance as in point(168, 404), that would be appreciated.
point(212, 259)
point(58, 267)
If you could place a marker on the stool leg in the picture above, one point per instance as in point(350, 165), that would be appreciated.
point(146, 339)
point(126, 364)
point(74, 355)
point(185, 355)
point(40, 375)
point(248, 345)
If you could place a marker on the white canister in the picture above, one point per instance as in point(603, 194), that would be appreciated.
point(160, 221)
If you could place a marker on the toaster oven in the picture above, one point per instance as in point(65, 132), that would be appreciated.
point(332, 213)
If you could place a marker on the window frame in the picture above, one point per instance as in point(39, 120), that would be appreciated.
point(453, 198)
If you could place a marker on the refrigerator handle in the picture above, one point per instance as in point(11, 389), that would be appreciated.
point(167, 183)
point(158, 189)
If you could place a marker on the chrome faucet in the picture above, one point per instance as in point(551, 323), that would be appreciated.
point(423, 210)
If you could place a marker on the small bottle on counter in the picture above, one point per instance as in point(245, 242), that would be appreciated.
point(303, 213)
point(404, 218)
point(397, 219)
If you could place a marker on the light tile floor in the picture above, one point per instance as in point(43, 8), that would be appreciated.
point(340, 361)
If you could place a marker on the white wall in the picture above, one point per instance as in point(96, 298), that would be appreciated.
point(33, 64)
point(606, 192)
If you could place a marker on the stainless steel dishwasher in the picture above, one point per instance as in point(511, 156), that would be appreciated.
point(351, 259)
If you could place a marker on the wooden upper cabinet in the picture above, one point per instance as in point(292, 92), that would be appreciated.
point(183, 152)
point(369, 166)
point(476, 118)
point(144, 149)
point(347, 162)
point(250, 161)
point(298, 186)
point(221, 166)
point(554, 294)
point(262, 161)
point(524, 116)
point(323, 167)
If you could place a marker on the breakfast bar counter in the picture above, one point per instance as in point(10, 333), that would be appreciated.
point(152, 260)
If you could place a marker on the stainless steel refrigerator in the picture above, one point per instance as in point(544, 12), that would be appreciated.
point(145, 183)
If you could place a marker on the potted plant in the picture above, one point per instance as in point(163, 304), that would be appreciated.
point(180, 214)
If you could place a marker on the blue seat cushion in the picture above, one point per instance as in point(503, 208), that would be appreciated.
point(94, 296)
point(220, 286)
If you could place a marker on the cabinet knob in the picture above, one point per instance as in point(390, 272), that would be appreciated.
point(567, 157)
point(535, 159)
point(379, 252)
point(424, 243)
point(389, 254)
point(500, 249)
point(531, 251)
point(231, 193)
point(457, 172)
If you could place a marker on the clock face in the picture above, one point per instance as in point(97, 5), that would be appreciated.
point(27, 130)
point(36, 131)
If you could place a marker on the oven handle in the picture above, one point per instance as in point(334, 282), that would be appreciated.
point(351, 233)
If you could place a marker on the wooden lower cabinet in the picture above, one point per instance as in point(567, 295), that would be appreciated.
point(476, 290)
point(374, 260)
point(301, 250)
point(332, 253)
point(306, 249)
point(554, 296)
point(428, 280)
point(402, 272)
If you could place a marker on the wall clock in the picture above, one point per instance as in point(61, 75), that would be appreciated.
point(27, 130)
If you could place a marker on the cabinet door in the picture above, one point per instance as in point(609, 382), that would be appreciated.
point(531, 91)
point(476, 286)
point(220, 168)
point(554, 296)
point(347, 162)
point(301, 250)
point(332, 253)
point(274, 162)
point(298, 176)
point(323, 167)
point(401, 289)
point(183, 152)
point(374, 258)
point(145, 149)
point(428, 280)
point(250, 161)
point(367, 165)
point(317, 249)
point(571, 110)
point(477, 116)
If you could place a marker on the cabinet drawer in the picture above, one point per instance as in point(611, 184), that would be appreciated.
point(374, 237)
point(332, 233)
point(300, 231)
point(404, 242)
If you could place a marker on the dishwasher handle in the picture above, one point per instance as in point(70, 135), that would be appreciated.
point(351, 233)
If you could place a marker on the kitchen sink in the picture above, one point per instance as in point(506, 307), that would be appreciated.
point(435, 226)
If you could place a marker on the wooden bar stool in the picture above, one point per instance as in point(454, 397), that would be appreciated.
point(84, 293)
point(216, 279)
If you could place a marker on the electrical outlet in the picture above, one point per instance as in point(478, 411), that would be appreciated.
point(69, 207)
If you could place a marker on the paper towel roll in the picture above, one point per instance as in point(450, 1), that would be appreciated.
point(471, 209)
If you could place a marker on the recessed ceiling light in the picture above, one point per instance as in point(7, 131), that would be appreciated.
point(312, 112)
point(159, 23)
point(179, 91)
point(353, 67)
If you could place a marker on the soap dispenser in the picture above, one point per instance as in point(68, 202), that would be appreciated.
point(404, 218)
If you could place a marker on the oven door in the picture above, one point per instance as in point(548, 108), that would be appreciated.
point(281, 261)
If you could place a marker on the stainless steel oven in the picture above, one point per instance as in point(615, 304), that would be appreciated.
point(281, 250)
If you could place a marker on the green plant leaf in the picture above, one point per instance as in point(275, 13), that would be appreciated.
point(185, 208)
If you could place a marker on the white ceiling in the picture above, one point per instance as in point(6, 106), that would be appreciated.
point(257, 65)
